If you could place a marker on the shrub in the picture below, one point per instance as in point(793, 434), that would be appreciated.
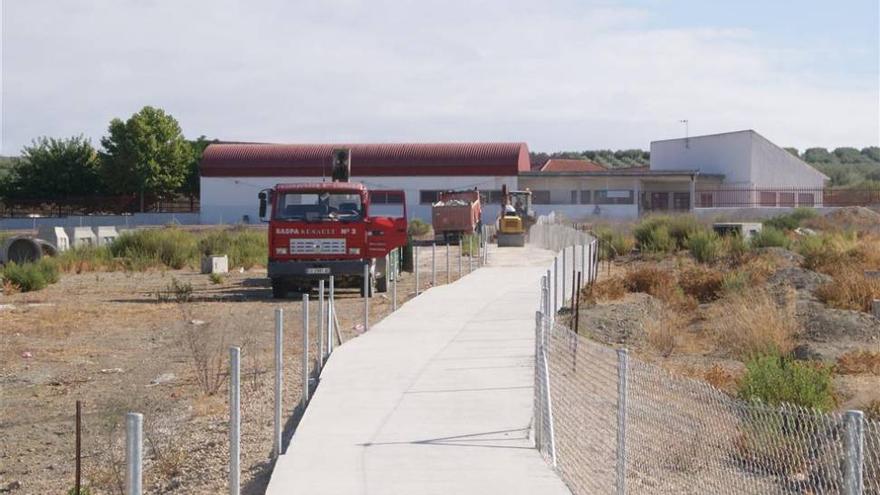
point(653, 237)
point(613, 243)
point(752, 324)
point(170, 247)
point(858, 362)
point(770, 237)
point(703, 284)
point(608, 289)
point(28, 277)
point(216, 278)
point(246, 248)
point(658, 283)
point(828, 253)
point(418, 227)
point(682, 227)
point(734, 247)
point(790, 221)
point(705, 246)
point(849, 289)
point(777, 380)
point(176, 291)
point(735, 282)
point(85, 259)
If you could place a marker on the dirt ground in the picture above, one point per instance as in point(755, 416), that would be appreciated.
point(105, 339)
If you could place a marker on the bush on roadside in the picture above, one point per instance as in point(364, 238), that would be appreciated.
point(613, 242)
point(28, 277)
point(849, 289)
point(770, 237)
point(776, 380)
point(703, 284)
point(658, 283)
point(246, 248)
point(608, 289)
point(418, 227)
point(705, 246)
point(147, 248)
point(790, 221)
point(751, 323)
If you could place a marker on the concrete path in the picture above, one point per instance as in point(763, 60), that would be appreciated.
point(434, 399)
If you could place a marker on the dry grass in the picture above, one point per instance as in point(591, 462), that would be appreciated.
point(609, 289)
point(858, 363)
point(703, 284)
point(751, 324)
point(721, 379)
point(661, 284)
point(849, 289)
point(667, 332)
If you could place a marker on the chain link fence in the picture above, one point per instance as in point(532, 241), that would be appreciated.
point(610, 423)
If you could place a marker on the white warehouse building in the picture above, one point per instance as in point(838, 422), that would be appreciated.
point(233, 174)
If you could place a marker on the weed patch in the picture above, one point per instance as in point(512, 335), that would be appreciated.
point(751, 324)
point(849, 289)
point(705, 246)
point(609, 289)
point(703, 284)
point(777, 380)
point(770, 237)
point(28, 277)
point(858, 363)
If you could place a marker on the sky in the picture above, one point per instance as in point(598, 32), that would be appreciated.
point(557, 74)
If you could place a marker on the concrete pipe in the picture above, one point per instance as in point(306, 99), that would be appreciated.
point(25, 250)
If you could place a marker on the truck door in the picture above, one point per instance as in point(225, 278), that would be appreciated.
point(386, 232)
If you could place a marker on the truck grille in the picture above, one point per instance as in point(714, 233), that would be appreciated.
point(317, 246)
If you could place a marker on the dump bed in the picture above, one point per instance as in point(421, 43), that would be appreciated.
point(456, 212)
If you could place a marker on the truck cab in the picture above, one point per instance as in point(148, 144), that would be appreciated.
point(323, 229)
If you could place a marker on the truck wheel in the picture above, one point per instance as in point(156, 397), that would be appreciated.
point(370, 288)
point(279, 288)
point(382, 284)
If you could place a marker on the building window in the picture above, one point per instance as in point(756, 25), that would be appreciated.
point(428, 197)
point(541, 197)
point(707, 200)
point(767, 198)
point(585, 197)
point(681, 201)
point(614, 197)
point(786, 199)
point(386, 198)
point(806, 199)
point(574, 197)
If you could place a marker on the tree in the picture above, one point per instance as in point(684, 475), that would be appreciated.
point(848, 155)
point(793, 151)
point(146, 154)
point(191, 183)
point(817, 155)
point(872, 153)
point(54, 169)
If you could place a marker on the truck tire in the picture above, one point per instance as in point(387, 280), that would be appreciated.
point(371, 287)
point(279, 288)
point(382, 284)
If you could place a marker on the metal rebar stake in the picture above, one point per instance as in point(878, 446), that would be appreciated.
point(279, 364)
point(134, 452)
point(367, 285)
point(305, 347)
point(433, 264)
point(460, 255)
point(234, 420)
point(448, 271)
point(320, 356)
point(416, 266)
point(330, 310)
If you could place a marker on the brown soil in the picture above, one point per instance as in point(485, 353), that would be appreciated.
point(103, 338)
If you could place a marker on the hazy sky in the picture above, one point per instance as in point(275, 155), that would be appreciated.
point(558, 74)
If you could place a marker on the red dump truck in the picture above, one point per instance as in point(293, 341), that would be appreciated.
point(326, 228)
point(456, 213)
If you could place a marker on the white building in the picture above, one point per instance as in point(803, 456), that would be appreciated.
point(233, 174)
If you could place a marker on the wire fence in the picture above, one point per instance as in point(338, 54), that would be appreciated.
point(754, 197)
point(610, 423)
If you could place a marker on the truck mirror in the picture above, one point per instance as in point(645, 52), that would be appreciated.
point(262, 197)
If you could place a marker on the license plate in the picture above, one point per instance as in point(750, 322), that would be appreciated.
point(318, 271)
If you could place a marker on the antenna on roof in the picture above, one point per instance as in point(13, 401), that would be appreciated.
point(687, 140)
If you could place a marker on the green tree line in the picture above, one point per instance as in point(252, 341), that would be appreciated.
point(850, 167)
point(145, 155)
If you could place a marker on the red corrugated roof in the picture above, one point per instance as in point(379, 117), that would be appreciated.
point(401, 159)
point(565, 165)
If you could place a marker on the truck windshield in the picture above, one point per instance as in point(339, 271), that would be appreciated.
point(315, 206)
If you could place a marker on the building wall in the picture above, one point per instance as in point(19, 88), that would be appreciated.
point(772, 166)
point(727, 154)
point(229, 199)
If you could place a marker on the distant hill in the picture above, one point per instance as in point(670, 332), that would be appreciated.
point(845, 166)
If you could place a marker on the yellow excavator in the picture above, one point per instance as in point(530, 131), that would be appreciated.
point(516, 217)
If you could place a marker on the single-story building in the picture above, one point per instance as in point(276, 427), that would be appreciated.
point(233, 174)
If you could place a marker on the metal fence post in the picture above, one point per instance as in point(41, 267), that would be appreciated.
point(279, 364)
point(564, 277)
point(416, 256)
point(548, 311)
point(305, 346)
point(448, 271)
point(855, 452)
point(539, 420)
point(234, 420)
point(470, 253)
point(330, 310)
point(320, 357)
point(366, 297)
point(134, 452)
point(433, 264)
point(77, 482)
point(394, 290)
point(555, 285)
point(460, 256)
point(622, 367)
